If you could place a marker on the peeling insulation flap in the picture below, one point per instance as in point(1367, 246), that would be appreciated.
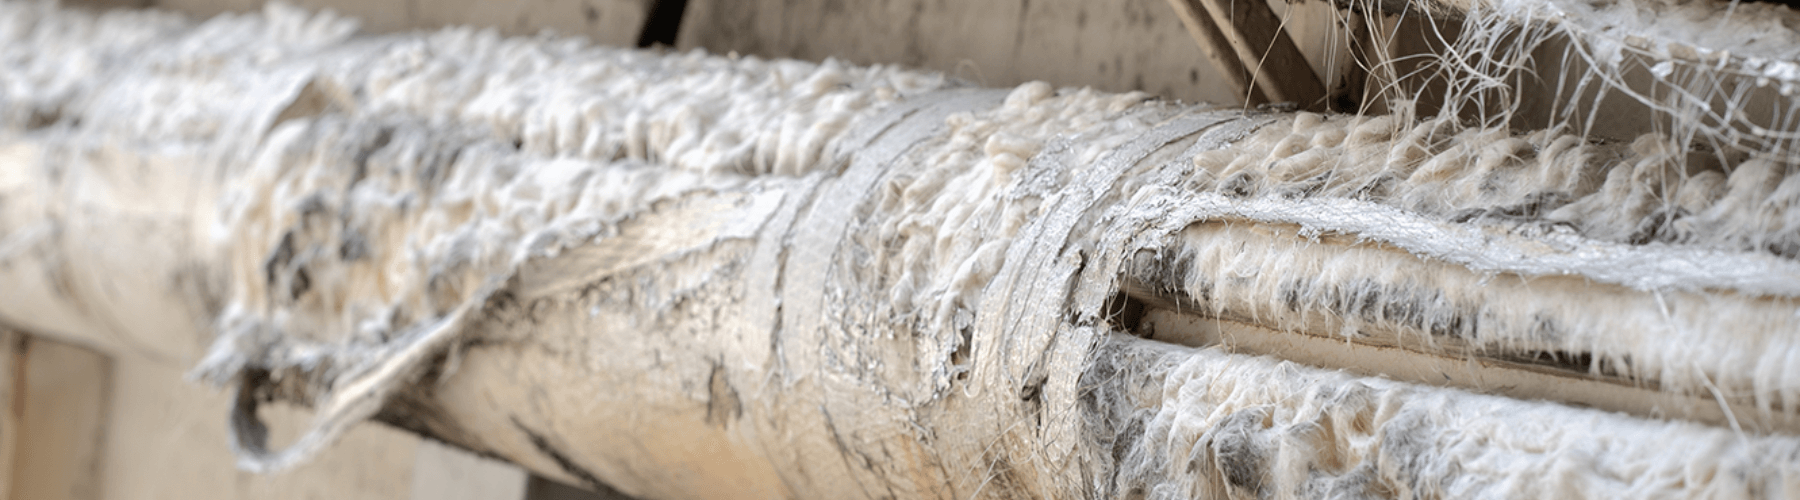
point(354, 396)
point(692, 276)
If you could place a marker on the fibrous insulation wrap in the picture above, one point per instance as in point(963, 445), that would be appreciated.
point(839, 281)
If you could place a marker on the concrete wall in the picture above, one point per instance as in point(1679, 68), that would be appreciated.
point(610, 22)
point(166, 439)
point(1113, 45)
point(56, 403)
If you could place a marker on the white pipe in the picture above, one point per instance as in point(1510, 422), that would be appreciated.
point(692, 276)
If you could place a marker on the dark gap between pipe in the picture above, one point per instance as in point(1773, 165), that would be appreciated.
point(663, 23)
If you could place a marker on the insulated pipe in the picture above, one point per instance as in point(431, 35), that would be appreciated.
point(691, 276)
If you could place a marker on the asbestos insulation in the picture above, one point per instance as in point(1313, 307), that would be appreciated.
point(685, 275)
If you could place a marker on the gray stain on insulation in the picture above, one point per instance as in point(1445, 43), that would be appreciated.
point(722, 405)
